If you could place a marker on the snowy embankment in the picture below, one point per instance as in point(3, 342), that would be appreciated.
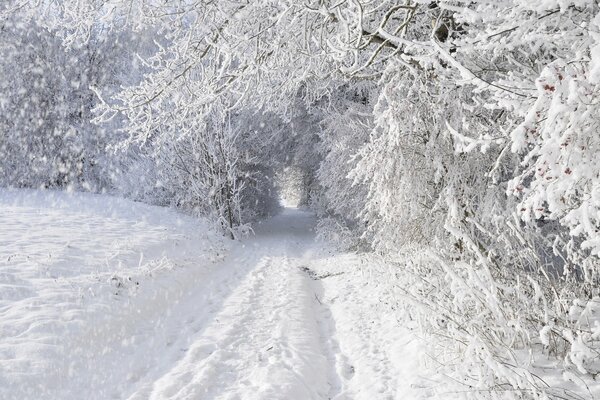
point(105, 298)
point(79, 274)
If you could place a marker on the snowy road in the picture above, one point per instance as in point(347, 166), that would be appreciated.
point(255, 336)
point(106, 299)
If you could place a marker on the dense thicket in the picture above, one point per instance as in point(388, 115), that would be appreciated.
point(457, 139)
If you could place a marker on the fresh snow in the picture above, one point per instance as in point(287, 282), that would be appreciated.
point(103, 298)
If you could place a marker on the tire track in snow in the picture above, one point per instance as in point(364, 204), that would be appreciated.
point(263, 344)
point(340, 369)
point(197, 371)
point(133, 346)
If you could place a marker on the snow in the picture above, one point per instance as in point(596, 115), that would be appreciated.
point(106, 298)
point(376, 355)
point(457, 149)
point(77, 275)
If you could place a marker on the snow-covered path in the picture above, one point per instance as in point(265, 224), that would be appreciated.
point(256, 336)
point(143, 304)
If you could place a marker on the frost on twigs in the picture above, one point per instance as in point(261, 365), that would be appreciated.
point(456, 140)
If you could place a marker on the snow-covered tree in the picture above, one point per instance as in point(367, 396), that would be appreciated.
point(47, 134)
point(462, 134)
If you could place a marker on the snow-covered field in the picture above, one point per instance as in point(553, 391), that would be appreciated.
point(103, 298)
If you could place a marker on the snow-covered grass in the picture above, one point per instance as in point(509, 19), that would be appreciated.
point(77, 273)
point(378, 353)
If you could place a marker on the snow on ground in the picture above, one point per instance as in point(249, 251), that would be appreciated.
point(103, 298)
point(81, 278)
point(376, 355)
